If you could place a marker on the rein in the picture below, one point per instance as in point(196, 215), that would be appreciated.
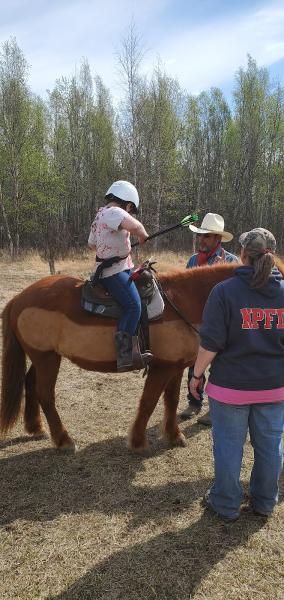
point(176, 309)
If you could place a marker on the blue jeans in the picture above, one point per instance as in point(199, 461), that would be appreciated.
point(124, 291)
point(230, 424)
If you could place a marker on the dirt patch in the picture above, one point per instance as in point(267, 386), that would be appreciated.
point(105, 524)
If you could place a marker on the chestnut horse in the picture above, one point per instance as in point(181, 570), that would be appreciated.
point(45, 322)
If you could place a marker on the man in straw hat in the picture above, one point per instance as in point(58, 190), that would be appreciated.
point(209, 235)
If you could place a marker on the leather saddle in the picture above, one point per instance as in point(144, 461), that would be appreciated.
point(97, 301)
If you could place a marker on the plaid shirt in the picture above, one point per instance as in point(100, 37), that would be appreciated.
point(227, 257)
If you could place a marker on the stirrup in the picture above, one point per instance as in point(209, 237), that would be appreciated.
point(140, 361)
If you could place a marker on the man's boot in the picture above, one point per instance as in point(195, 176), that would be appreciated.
point(129, 356)
point(194, 405)
point(205, 420)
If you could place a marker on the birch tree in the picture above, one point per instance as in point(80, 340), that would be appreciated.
point(14, 127)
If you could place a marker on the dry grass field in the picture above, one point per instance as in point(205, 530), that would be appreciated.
point(104, 524)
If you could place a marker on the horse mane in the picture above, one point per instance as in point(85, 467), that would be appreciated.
point(215, 272)
point(207, 272)
point(190, 288)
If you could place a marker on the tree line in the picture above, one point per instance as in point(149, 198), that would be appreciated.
point(184, 153)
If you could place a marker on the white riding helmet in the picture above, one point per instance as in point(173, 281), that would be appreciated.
point(124, 190)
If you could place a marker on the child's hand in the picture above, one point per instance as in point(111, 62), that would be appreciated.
point(143, 237)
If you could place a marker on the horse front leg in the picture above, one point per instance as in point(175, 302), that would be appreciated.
point(171, 398)
point(155, 383)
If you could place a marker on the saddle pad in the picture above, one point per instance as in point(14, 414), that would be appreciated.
point(156, 306)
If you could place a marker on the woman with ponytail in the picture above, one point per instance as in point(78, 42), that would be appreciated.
point(242, 336)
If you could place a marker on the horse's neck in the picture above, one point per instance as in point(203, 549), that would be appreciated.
point(191, 290)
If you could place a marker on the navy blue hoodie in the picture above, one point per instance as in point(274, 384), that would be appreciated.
point(246, 327)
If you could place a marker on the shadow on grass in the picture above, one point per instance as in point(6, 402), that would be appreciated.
point(44, 484)
point(21, 439)
point(168, 567)
point(191, 429)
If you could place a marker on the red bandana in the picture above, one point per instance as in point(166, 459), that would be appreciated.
point(203, 257)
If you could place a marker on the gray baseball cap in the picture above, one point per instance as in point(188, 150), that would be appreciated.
point(258, 240)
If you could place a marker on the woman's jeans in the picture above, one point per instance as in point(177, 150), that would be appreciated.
point(124, 291)
point(230, 423)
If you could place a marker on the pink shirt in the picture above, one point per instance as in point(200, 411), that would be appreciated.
point(230, 396)
point(110, 241)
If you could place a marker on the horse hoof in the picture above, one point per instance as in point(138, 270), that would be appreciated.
point(142, 448)
point(39, 435)
point(68, 448)
point(35, 430)
point(137, 443)
point(179, 441)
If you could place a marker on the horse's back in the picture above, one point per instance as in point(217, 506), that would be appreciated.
point(47, 316)
point(53, 292)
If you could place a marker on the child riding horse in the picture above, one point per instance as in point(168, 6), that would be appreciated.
point(110, 236)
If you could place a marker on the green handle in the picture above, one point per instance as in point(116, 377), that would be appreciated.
point(185, 222)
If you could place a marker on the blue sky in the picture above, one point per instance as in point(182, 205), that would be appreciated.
point(201, 42)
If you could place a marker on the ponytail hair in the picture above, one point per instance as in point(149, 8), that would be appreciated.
point(263, 264)
point(259, 246)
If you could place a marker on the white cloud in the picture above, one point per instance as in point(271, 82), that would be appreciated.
point(55, 34)
point(209, 55)
point(55, 38)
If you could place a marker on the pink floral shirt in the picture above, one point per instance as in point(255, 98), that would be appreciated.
point(110, 241)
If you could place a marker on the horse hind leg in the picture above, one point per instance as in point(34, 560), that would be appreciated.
point(46, 371)
point(171, 430)
point(32, 416)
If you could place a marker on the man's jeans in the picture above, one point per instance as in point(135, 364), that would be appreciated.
point(230, 423)
point(124, 291)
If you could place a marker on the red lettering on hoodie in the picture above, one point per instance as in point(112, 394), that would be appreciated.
point(269, 314)
point(251, 317)
point(246, 313)
point(257, 315)
point(280, 315)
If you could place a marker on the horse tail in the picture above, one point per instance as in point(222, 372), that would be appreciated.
point(13, 373)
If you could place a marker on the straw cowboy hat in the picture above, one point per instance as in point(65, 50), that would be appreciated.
point(213, 223)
